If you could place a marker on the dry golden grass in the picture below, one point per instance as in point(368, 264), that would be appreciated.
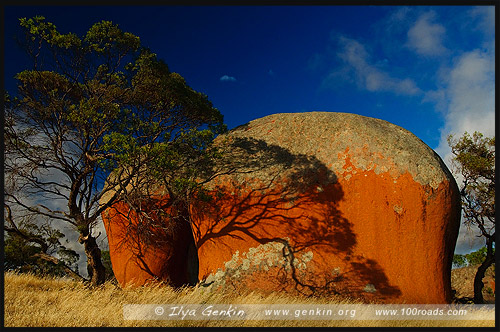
point(31, 301)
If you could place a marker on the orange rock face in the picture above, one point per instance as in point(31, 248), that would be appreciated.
point(319, 203)
point(341, 242)
point(161, 253)
point(331, 204)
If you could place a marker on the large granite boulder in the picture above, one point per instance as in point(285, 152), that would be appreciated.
point(149, 235)
point(150, 251)
point(315, 203)
point(330, 203)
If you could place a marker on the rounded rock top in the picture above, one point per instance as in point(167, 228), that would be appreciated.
point(331, 137)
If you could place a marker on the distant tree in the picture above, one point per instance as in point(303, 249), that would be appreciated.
point(477, 257)
point(459, 261)
point(29, 247)
point(474, 161)
point(471, 259)
point(91, 105)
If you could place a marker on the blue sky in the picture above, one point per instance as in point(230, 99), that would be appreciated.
point(428, 69)
point(390, 62)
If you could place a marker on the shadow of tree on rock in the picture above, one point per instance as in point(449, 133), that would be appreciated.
point(273, 223)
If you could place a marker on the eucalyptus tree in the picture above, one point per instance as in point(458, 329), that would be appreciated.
point(91, 105)
point(474, 161)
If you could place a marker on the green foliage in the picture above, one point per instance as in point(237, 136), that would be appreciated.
point(459, 261)
point(20, 254)
point(106, 261)
point(105, 37)
point(99, 103)
point(113, 101)
point(477, 257)
point(475, 155)
point(474, 159)
point(114, 94)
point(38, 27)
point(474, 258)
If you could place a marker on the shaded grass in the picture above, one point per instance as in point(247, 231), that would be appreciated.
point(32, 301)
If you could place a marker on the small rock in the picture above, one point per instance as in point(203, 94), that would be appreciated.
point(370, 288)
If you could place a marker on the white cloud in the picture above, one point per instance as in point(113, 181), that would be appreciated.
point(426, 37)
point(470, 96)
point(396, 22)
point(54, 202)
point(438, 97)
point(485, 16)
point(467, 99)
point(227, 78)
point(399, 15)
point(367, 75)
point(464, 89)
point(468, 240)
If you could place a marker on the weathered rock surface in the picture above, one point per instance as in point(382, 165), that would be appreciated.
point(148, 251)
point(321, 203)
point(331, 203)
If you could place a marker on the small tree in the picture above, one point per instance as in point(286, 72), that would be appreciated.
point(33, 247)
point(471, 259)
point(474, 161)
point(459, 261)
point(90, 105)
point(477, 257)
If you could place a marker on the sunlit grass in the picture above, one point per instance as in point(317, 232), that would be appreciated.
point(32, 301)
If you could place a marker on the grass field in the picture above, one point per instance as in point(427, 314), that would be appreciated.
point(31, 301)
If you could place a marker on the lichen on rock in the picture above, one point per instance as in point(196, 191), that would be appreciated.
point(258, 260)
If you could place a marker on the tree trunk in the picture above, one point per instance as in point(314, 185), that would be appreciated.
point(97, 271)
point(481, 271)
